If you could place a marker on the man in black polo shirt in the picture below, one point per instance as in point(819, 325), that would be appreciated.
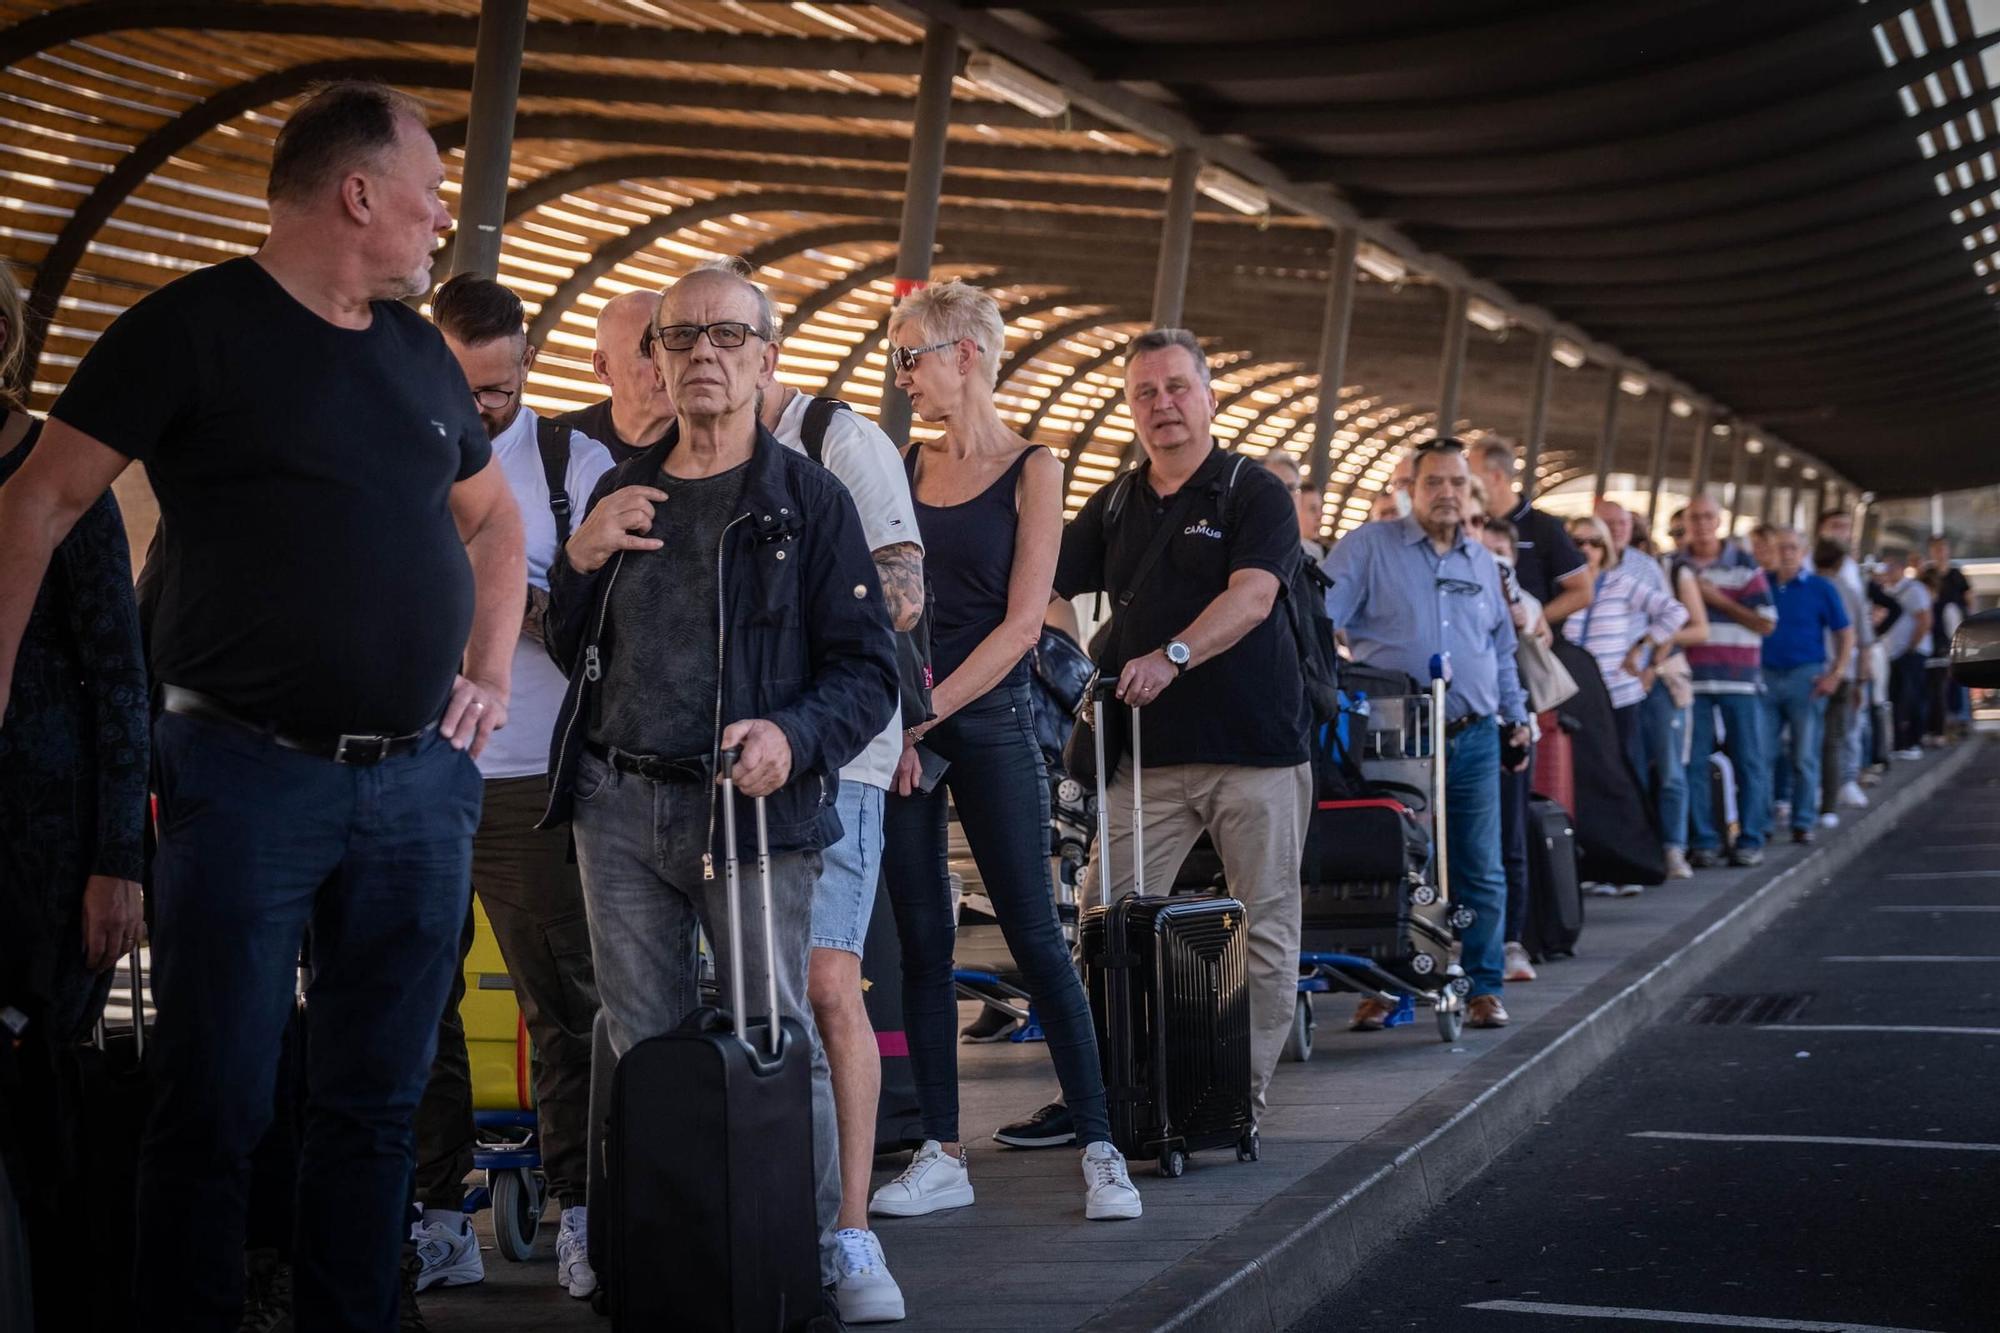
point(343, 584)
point(640, 409)
point(1549, 567)
point(1206, 656)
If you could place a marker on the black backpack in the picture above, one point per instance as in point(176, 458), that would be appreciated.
point(552, 441)
point(913, 646)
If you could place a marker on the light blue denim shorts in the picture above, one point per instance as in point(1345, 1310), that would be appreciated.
point(845, 898)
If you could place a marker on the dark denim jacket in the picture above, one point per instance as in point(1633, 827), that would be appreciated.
point(806, 641)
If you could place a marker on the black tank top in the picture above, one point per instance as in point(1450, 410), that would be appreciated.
point(969, 558)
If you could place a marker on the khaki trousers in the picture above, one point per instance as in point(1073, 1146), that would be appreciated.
point(1257, 818)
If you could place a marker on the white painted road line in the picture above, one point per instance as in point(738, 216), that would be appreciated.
point(1911, 958)
point(1878, 1027)
point(1833, 1140)
point(1680, 1317)
point(1945, 874)
point(1945, 907)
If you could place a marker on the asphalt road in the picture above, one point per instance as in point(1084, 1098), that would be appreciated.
point(1822, 1153)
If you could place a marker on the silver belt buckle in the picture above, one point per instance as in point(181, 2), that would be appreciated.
point(360, 750)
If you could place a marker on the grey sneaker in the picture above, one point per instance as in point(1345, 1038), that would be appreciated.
point(1677, 864)
point(1747, 856)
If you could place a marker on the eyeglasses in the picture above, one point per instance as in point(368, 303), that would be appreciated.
point(493, 399)
point(683, 337)
point(905, 358)
point(1590, 541)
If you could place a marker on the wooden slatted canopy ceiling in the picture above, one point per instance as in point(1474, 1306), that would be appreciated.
point(653, 134)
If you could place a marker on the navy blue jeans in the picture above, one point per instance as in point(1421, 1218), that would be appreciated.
point(260, 846)
point(1000, 789)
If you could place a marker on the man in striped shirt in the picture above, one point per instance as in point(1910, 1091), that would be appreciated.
point(1728, 672)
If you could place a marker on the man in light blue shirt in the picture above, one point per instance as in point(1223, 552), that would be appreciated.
point(1404, 592)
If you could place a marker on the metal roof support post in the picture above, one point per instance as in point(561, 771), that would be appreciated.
point(1452, 373)
point(1704, 442)
point(920, 195)
point(1608, 445)
point(1738, 465)
point(1818, 507)
point(1659, 460)
point(1766, 502)
point(489, 136)
point(1176, 242)
point(1538, 411)
point(1332, 357)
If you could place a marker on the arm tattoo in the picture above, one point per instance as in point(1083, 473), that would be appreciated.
point(901, 569)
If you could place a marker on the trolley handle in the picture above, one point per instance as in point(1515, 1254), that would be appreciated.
point(725, 763)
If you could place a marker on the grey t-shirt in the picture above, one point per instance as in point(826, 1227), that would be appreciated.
point(660, 681)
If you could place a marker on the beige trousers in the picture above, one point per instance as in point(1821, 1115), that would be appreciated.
point(1257, 818)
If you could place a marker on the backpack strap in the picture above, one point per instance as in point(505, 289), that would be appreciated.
point(812, 433)
point(552, 440)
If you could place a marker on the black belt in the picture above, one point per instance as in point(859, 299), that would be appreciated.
point(654, 767)
point(1462, 724)
point(361, 750)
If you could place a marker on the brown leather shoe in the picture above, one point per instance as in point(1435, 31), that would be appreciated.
point(1485, 1011)
point(1369, 1014)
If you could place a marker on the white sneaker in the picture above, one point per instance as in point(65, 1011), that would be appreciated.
point(573, 1271)
point(931, 1183)
point(1109, 1193)
point(1628, 890)
point(1906, 756)
point(1853, 797)
point(1677, 864)
point(1829, 820)
point(1516, 965)
point(1596, 890)
point(448, 1250)
point(865, 1291)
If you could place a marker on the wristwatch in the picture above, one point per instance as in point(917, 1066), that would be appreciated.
point(1177, 653)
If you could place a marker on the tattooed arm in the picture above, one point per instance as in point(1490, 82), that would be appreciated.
point(901, 569)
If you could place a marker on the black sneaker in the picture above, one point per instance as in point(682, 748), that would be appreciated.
point(409, 1319)
point(1747, 856)
point(1050, 1127)
point(991, 1025)
point(1704, 858)
point(267, 1293)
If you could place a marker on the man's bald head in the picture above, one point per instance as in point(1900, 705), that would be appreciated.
point(621, 324)
point(622, 363)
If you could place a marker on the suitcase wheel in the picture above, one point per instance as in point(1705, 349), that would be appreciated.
point(1172, 1163)
point(1451, 1017)
point(1299, 1039)
point(1424, 895)
point(518, 1198)
point(1462, 918)
point(1248, 1149)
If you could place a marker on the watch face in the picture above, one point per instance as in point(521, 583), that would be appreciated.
point(1177, 653)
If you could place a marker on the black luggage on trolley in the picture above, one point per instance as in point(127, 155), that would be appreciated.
point(1168, 980)
point(725, 1237)
point(1555, 893)
point(1366, 891)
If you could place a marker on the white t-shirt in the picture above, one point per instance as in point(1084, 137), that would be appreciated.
point(866, 462)
point(521, 748)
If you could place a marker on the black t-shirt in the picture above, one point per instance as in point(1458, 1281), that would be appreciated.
point(1246, 706)
point(595, 422)
point(1546, 552)
point(312, 576)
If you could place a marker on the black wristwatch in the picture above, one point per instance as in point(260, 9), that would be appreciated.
point(1178, 654)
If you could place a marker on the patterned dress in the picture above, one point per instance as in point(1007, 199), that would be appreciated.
point(73, 757)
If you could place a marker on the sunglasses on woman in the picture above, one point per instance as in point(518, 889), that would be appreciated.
point(904, 359)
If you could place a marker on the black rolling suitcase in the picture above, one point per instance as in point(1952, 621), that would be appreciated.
point(1168, 980)
point(707, 1202)
point(1555, 894)
point(1365, 891)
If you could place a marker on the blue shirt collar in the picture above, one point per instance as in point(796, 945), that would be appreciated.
point(1413, 532)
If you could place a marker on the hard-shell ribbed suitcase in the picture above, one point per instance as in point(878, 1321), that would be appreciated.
point(708, 1219)
point(1168, 980)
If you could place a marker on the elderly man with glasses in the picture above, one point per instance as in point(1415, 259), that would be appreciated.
point(1408, 592)
point(718, 594)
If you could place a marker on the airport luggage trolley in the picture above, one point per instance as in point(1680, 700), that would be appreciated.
point(503, 1098)
point(1389, 940)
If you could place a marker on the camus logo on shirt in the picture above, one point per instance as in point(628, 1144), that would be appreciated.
point(1202, 528)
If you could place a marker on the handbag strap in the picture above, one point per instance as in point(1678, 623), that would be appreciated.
point(1157, 547)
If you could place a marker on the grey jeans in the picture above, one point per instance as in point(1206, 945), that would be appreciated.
point(639, 845)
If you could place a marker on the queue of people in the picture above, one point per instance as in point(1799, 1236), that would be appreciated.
point(410, 641)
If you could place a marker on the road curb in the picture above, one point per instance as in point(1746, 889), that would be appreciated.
point(1294, 1251)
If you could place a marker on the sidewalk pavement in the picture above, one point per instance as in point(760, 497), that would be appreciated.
point(1360, 1143)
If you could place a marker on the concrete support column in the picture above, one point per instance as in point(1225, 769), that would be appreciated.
point(920, 195)
point(1704, 445)
point(1452, 373)
point(1332, 356)
point(1659, 476)
point(1606, 447)
point(489, 136)
point(1176, 242)
point(1767, 502)
point(1538, 411)
point(1738, 469)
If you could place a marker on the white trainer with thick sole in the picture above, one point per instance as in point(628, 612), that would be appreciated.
point(1109, 1194)
point(931, 1183)
point(448, 1249)
point(865, 1290)
point(573, 1271)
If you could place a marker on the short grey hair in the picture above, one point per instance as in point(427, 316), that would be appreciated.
point(1491, 447)
point(1159, 340)
point(734, 266)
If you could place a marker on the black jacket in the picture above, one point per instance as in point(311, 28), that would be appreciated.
point(806, 641)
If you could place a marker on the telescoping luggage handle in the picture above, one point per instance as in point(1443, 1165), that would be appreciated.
point(1101, 689)
point(138, 984)
point(733, 889)
point(1440, 680)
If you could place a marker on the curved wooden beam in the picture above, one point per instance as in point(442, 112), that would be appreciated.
point(1018, 360)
